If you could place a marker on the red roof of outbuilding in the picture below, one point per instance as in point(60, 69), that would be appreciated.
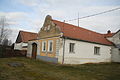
point(24, 36)
point(75, 32)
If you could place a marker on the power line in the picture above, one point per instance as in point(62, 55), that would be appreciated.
point(95, 14)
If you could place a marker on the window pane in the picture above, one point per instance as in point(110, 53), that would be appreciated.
point(44, 46)
point(96, 50)
point(71, 47)
point(50, 46)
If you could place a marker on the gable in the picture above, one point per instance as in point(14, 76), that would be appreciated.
point(115, 38)
point(49, 29)
point(19, 38)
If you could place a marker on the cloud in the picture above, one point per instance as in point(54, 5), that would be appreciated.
point(66, 10)
point(29, 2)
point(14, 17)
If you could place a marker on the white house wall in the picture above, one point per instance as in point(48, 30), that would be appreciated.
point(115, 39)
point(60, 55)
point(29, 49)
point(84, 53)
point(19, 46)
point(115, 55)
point(115, 50)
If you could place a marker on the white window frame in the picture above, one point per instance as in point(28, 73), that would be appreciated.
point(49, 45)
point(44, 45)
point(72, 45)
point(96, 50)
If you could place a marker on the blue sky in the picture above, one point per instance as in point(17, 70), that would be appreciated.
point(29, 15)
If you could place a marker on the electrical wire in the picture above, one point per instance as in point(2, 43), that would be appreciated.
point(95, 14)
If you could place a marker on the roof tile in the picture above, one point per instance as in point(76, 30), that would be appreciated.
point(76, 32)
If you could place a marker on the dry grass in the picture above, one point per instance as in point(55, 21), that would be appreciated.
point(39, 70)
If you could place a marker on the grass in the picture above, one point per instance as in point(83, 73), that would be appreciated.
point(40, 70)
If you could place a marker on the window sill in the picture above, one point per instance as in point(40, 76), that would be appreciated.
point(44, 51)
point(50, 52)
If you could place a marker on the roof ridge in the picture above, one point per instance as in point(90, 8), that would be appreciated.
point(27, 31)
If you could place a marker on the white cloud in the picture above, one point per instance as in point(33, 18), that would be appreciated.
point(65, 10)
point(29, 2)
point(13, 17)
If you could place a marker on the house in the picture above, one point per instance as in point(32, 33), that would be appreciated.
point(22, 40)
point(60, 42)
point(116, 48)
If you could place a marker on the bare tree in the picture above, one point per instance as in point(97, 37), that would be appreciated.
point(4, 31)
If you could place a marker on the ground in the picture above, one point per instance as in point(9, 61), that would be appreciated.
point(40, 70)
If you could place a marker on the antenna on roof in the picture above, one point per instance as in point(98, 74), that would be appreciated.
point(63, 24)
point(78, 19)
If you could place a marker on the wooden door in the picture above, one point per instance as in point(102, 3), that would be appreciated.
point(34, 50)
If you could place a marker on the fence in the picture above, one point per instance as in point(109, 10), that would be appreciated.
point(8, 51)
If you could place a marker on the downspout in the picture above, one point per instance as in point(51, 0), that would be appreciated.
point(63, 50)
point(63, 44)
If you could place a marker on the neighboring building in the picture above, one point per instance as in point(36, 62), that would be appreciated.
point(115, 52)
point(22, 40)
point(64, 43)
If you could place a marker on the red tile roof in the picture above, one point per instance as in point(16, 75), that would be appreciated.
point(79, 33)
point(109, 34)
point(24, 36)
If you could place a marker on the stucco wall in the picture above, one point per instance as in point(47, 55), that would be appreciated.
point(115, 50)
point(19, 46)
point(29, 49)
point(84, 53)
point(115, 55)
point(60, 55)
point(115, 39)
point(47, 53)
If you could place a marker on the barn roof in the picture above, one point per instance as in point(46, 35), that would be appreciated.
point(25, 36)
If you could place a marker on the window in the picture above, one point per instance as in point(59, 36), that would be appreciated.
point(44, 46)
point(97, 50)
point(71, 47)
point(119, 36)
point(119, 51)
point(50, 46)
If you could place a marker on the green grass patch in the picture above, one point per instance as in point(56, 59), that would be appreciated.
point(40, 70)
